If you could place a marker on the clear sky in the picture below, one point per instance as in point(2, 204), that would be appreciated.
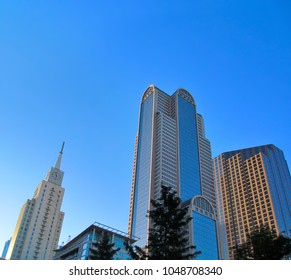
point(75, 71)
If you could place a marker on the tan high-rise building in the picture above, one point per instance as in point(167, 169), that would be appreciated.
point(39, 224)
point(253, 188)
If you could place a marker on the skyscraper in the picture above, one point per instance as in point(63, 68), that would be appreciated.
point(5, 249)
point(253, 188)
point(39, 224)
point(171, 149)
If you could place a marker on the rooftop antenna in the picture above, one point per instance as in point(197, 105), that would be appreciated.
point(58, 163)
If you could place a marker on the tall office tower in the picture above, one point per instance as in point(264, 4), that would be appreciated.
point(39, 224)
point(254, 188)
point(206, 165)
point(171, 149)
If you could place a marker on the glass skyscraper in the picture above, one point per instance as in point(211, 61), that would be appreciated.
point(253, 188)
point(171, 149)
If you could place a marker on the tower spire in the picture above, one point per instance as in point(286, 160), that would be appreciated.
point(58, 163)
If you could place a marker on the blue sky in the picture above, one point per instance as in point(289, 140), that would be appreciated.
point(75, 71)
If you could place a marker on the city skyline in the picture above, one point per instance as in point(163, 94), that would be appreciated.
point(75, 73)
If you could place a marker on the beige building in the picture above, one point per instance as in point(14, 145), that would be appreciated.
point(253, 188)
point(39, 224)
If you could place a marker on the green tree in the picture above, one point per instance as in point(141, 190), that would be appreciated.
point(103, 249)
point(168, 234)
point(135, 252)
point(264, 244)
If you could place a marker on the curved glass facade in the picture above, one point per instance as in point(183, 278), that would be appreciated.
point(204, 237)
point(280, 188)
point(188, 150)
point(143, 170)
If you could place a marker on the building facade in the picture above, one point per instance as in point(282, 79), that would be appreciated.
point(39, 224)
point(5, 249)
point(79, 247)
point(253, 188)
point(171, 149)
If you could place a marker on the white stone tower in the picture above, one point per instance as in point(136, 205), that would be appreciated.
point(39, 224)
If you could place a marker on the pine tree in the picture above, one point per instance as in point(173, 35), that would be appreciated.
point(168, 235)
point(264, 244)
point(103, 249)
point(135, 252)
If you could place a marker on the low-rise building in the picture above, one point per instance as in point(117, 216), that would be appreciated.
point(79, 247)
